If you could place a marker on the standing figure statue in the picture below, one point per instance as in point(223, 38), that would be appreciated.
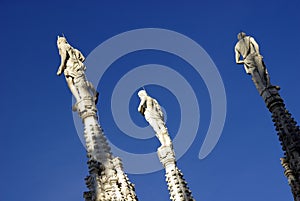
point(150, 108)
point(73, 68)
point(253, 62)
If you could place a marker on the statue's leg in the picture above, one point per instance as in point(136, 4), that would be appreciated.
point(257, 80)
point(167, 139)
point(94, 91)
point(154, 124)
point(262, 71)
point(161, 139)
point(91, 87)
point(73, 89)
point(267, 77)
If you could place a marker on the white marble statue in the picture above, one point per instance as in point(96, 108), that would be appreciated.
point(73, 68)
point(150, 108)
point(253, 62)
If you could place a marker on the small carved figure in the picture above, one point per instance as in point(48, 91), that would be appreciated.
point(73, 68)
point(150, 108)
point(253, 62)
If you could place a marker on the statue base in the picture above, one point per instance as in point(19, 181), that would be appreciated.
point(271, 96)
point(166, 155)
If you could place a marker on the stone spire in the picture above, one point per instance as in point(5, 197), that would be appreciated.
point(106, 179)
point(289, 136)
point(177, 186)
point(286, 126)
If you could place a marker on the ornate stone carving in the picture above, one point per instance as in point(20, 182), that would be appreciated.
point(106, 180)
point(253, 62)
point(150, 108)
point(178, 189)
point(73, 68)
point(286, 126)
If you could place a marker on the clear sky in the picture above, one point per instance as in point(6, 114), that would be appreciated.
point(42, 157)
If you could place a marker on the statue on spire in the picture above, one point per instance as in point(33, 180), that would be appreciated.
point(150, 108)
point(72, 66)
point(177, 185)
point(253, 62)
point(286, 126)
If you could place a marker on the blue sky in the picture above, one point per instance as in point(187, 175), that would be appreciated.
point(42, 157)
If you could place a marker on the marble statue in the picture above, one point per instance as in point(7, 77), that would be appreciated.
point(253, 62)
point(107, 179)
point(150, 108)
point(177, 185)
point(73, 68)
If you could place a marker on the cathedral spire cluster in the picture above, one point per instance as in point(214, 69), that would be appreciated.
point(107, 180)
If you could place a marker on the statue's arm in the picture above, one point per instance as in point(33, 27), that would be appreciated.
point(161, 114)
point(238, 57)
point(63, 59)
point(82, 58)
point(143, 101)
point(79, 55)
point(255, 45)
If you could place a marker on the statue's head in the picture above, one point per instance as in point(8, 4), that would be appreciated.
point(241, 35)
point(142, 93)
point(60, 40)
